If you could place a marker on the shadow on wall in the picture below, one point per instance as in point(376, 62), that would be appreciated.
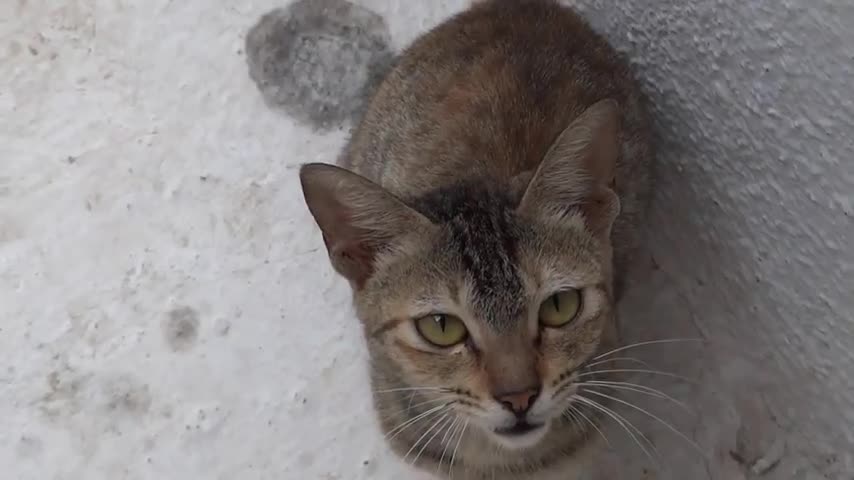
point(749, 224)
point(752, 210)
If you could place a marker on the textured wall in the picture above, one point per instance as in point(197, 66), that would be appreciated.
point(752, 222)
point(166, 310)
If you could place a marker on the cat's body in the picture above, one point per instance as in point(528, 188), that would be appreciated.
point(496, 171)
point(485, 95)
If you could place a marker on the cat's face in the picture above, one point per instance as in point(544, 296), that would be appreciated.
point(491, 314)
point(480, 305)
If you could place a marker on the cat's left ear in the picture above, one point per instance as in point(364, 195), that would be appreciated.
point(578, 172)
point(359, 219)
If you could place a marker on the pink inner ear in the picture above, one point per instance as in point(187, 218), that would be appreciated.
point(600, 210)
point(357, 217)
point(354, 260)
point(356, 252)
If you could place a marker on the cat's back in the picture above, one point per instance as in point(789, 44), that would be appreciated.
point(486, 93)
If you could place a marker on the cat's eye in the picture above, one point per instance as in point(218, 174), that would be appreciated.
point(441, 330)
point(561, 308)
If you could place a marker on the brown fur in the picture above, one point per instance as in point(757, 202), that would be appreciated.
point(505, 156)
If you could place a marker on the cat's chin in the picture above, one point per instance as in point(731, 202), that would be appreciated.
point(520, 437)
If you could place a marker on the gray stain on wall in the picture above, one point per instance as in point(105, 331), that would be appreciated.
point(123, 395)
point(318, 60)
point(181, 328)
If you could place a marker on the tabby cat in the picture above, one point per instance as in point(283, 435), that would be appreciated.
point(483, 213)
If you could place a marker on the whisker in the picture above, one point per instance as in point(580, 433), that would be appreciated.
point(408, 423)
point(634, 387)
point(669, 426)
point(570, 415)
point(619, 359)
point(567, 383)
point(454, 455)
point(445, 442)
point(651, 342)
point(423, 436)
point(446, 398)
point(411, 389)
point(392, 415)
point(636, 370)
point(451, 427)
point(592, 424)
point(623, 422)
point(432, 437)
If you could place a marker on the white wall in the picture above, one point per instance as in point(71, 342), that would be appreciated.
point(166, 313)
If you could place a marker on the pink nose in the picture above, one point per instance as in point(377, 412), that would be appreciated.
point(518, 402)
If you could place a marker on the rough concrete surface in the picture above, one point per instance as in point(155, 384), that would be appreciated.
point(167, 311)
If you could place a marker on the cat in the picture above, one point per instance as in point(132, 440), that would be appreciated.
point(484, 212)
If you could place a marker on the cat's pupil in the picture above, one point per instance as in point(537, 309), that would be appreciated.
point(440, 319)
point(556, 302)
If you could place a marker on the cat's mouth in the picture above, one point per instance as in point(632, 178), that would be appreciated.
point(521, 435)
point(519, 429)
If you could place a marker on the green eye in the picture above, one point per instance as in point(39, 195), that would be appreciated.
point(561, 308)
point(441, 330)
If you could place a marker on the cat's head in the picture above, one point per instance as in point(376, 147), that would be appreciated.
point(479, 303)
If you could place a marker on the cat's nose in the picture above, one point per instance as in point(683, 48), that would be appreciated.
point(519, 402)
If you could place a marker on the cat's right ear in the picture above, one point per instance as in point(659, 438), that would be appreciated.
point(358, 218)
point(578, 172)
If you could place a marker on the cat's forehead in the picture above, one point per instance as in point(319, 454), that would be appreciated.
point(471, 200)
point(491, 261)
point(482, 239)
